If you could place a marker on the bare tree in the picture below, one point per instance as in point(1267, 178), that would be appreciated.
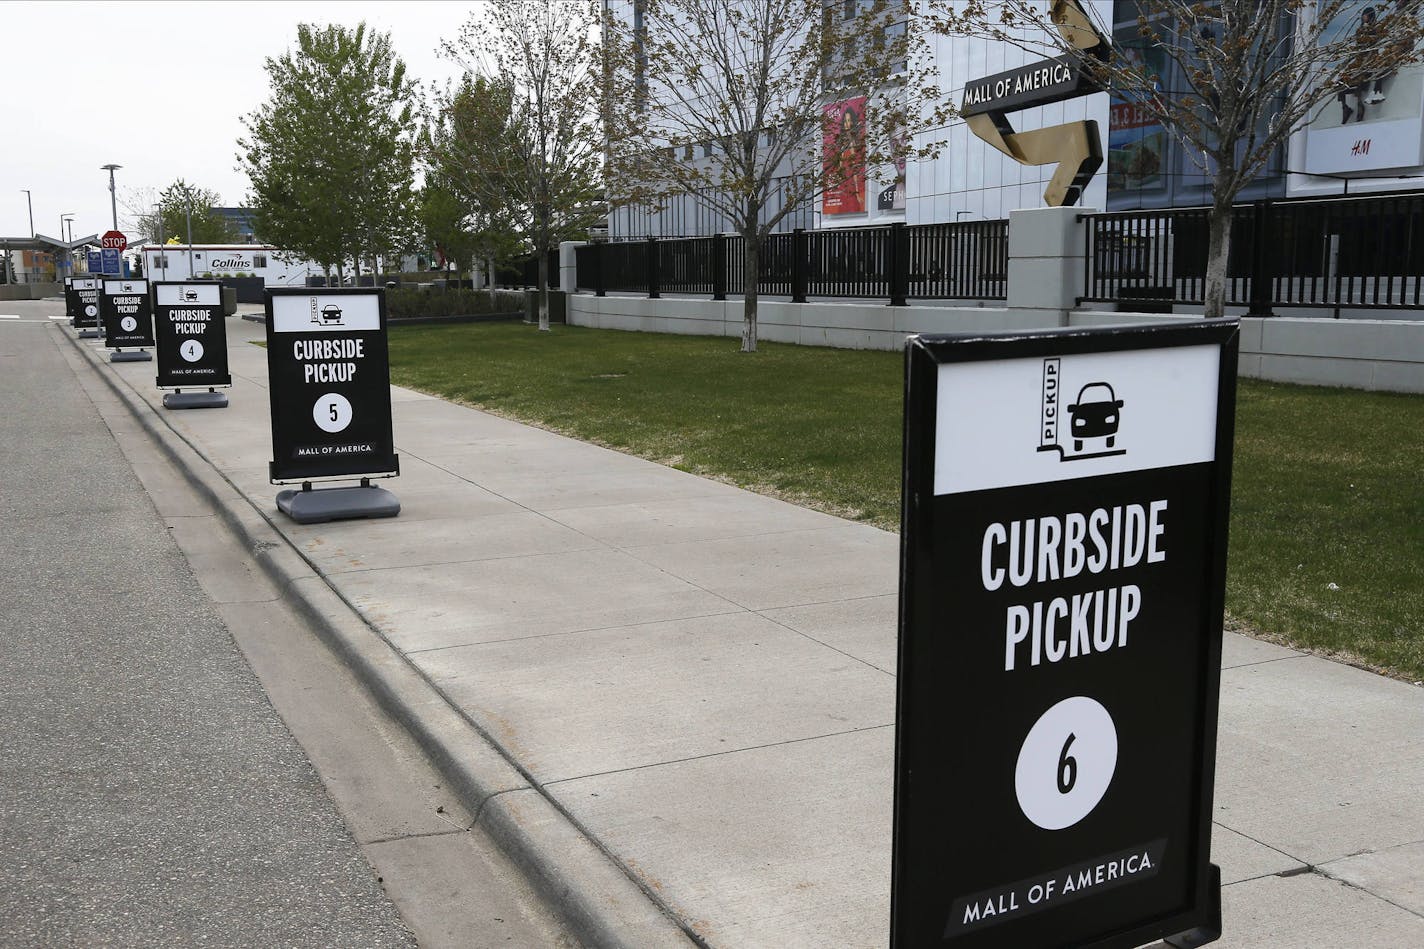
point(1242, 76)
point(544, 54)
point(756, 107)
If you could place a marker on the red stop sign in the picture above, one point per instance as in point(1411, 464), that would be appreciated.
point(114, 239)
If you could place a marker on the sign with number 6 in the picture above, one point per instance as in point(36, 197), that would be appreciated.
point(1063, 568)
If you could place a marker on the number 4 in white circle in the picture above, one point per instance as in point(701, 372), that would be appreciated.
point(1066, 763)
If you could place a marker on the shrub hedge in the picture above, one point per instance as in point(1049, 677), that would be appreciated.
point(409, 303)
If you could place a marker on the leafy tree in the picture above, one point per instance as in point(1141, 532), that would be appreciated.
point(468, 149)
point(330, 154)
point(176, 204)
point(1243, 75)
point(540, 55)
point(442, 222)
point(782, 100)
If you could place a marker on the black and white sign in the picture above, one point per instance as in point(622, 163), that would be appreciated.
point(127, 314)
point(191, 335)
point(1050, 80)
point(329, 384)
point(81, 301)
point(1063, 583)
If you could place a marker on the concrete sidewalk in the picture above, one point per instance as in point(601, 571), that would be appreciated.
point(676, 699)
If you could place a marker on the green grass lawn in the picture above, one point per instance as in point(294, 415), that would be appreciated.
point(1327, 526)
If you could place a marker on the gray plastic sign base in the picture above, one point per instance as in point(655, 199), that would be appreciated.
point(90, 334)
point(132, 355)
point(319, 505)
point(194, 400)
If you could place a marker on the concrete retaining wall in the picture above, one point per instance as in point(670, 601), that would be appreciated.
point(29, 291)
point(1364, 354)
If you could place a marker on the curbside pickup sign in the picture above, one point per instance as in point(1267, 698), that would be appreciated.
point(329, 384)
point(127, 314)
point(81, 301)
point(1063, 575)
point(191, 335)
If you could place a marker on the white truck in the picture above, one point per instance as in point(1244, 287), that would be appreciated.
point(201, 261)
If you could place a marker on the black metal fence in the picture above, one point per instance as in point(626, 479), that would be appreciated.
point(968, 261)
point(524, 272)
point(1338, 253)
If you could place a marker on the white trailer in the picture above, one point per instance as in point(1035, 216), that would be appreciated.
point(201, 261)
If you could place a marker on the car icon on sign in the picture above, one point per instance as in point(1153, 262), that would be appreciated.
point(190, 295)
point(331, 313)
point(1095, 414)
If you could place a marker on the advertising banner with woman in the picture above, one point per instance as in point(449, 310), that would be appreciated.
point(843, 157)
point(1375, 118)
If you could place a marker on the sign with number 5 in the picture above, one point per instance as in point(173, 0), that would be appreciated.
point(329, 384)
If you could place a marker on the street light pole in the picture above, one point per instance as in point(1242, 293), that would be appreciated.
point(113, 198)
point(31, 205)
point(188, 215)
point(68, 251)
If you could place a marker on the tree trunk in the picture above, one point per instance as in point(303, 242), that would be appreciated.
point(542, 276)
point(1218, 250)
point(489, 280)
point(751, 283)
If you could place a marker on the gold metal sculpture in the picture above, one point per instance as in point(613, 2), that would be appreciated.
point(1075, 147)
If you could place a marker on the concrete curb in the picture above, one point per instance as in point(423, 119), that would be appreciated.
point(600, 901)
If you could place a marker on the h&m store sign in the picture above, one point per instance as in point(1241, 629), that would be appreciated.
point(1063, 582)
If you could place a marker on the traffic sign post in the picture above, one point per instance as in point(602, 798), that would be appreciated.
point(191, 343)
point(111, 246)
point(86, 291)
point(329, 386)
point(1063, 568)
point(128, 319)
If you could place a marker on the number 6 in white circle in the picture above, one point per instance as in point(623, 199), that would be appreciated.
point(1066, 763)
point(332, 412)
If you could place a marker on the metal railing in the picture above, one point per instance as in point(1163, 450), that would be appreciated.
point(1337, 253)
point(967, 260)
point(524, 271)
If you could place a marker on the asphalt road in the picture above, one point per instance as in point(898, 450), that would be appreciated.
point(149, 793)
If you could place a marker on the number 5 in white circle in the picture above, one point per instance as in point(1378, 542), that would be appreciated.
point(1066, 763)
point(332, 412)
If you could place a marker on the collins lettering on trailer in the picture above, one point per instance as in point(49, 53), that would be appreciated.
point(191, 337)
point(1063, 578)
point(127, 313)
point(329, 386)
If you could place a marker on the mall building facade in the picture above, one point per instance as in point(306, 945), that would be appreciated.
point(1350, 148)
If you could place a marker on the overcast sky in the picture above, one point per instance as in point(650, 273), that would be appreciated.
point(158, 88)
